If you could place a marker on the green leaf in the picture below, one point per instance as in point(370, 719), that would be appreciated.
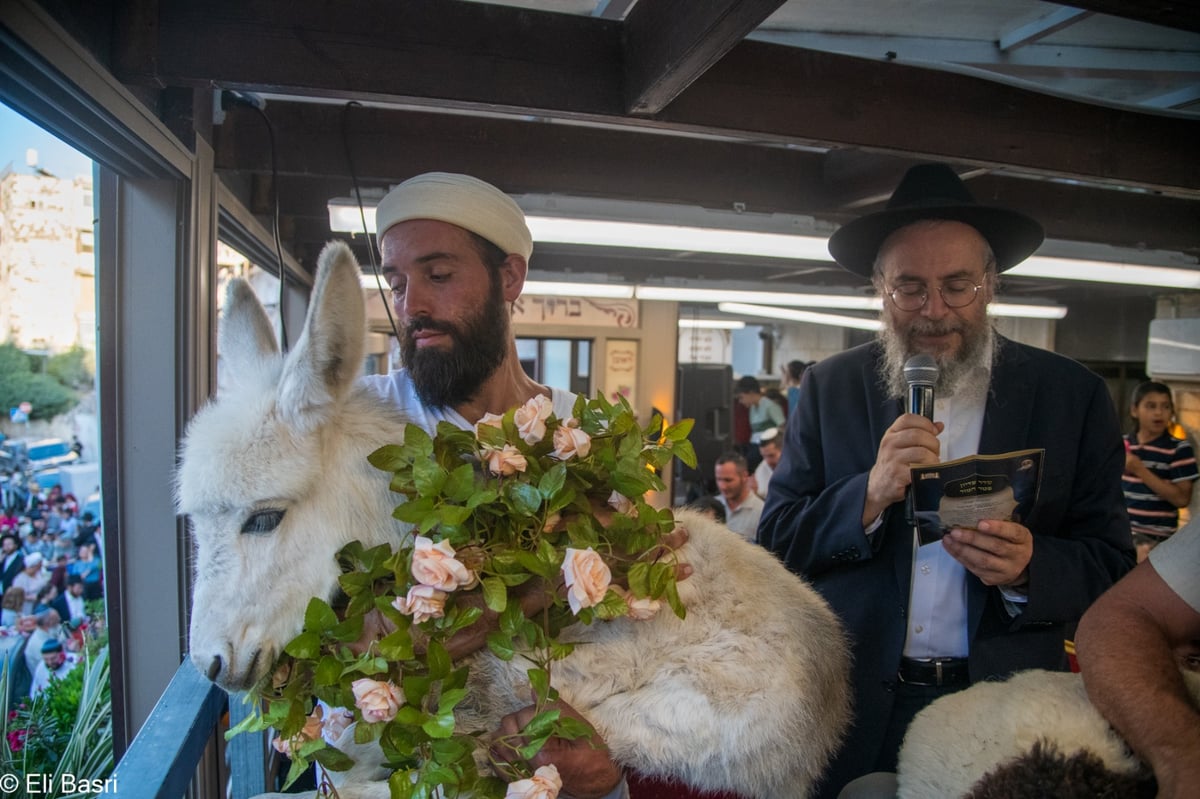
point(428, 477)
point(495, 594)
point(451, 699)
point(553, 480)
point(417, 441)
point(525, 498)
point(333, 759)
point(400, 784)
point(533, 747)
point(438, 659)
point(389, 458)
point(440, 726)
point(613, 606)
point(328, 671)
point(684, 451)
point(542, 725)
point(397, 645)
point(460, 483)
point(539, 681)
point(414, 511)
point(501, 645)
point(453, 515)
point(411, 714)
point(485, 497)
point(250, 723)
point(318, 616)
point(295, 771)
point(348, 630)
point(639, 578)
point(306, 645)
point(680, 430)
point(415, 687)
point(674, 601)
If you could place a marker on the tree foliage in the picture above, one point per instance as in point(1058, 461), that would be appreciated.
point(19, 383)
point(71, 368)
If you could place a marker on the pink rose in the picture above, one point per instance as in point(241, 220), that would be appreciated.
point(530, 418)
point(640, 608)
point(423, 602)
point(309, 732)
point(490, 420)
point(620, 503)
point(571, 442)
point(587, 577)
point(504, 462)
point(336, 723)
point(378, 701)
point(435, 565)
point(544, 784)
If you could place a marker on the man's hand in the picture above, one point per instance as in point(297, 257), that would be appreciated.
point(910, 441)
point(584, 764)
point(998, 553)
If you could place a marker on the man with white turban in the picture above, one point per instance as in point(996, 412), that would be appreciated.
point(455, 255)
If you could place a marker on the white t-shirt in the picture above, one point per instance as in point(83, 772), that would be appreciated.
point(1177, 561)
point(397, 389)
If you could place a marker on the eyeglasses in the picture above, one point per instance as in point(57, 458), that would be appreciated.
point(957, 292)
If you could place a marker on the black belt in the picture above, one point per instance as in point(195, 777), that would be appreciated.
point(934, 671)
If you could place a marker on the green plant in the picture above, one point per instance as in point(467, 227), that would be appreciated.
point(64, 734)
point(72, 368)
point(500, 514)
point(19, 383)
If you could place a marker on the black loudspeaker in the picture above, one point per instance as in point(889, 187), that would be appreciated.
point(704, 393)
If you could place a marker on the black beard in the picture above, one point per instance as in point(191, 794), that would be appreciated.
point(954, 375)
point(447, 378)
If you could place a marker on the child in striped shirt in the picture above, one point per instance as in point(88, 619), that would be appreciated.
point(1160, 469)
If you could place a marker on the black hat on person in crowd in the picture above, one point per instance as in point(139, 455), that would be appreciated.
point(935, 191)
point(52, 645)
point(747, 384)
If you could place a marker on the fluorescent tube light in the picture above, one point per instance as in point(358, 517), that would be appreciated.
point(795, 315)
point(547, 288)
point(1017, 310)
point(712, 324)
point(1107, 272)
point(344, 217)
point(603, 233)
point(678, 294)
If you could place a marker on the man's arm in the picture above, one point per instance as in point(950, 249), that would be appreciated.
point(1125, 647)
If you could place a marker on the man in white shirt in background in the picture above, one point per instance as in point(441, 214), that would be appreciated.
point(742, 506)
point(769, 446)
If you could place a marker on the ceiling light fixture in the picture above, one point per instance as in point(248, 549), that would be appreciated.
point(681, 294)
point(548, 288)
point(712, 324)
point(1107, 272)
point(796, 315)
point(344, 217)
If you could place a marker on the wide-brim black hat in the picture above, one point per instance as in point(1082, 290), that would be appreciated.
point(934, 191)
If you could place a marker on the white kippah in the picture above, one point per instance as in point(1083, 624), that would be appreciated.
point(460, 200)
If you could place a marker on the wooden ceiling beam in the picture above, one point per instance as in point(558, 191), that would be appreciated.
point(541, 158)
point(668, 44)
point(488, 58)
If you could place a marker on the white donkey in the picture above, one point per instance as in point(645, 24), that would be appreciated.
point(1033, 735)
point(748, 694)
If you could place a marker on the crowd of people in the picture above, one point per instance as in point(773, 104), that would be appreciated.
point(50, 569)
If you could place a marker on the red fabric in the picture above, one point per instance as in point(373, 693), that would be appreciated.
point(651, 788)
point(741, 423)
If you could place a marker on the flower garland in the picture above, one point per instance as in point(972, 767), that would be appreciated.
point(500, 514)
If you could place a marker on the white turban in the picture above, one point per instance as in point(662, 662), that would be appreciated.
point(460, 200)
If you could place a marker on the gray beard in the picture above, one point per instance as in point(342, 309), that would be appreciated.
point(965, 376)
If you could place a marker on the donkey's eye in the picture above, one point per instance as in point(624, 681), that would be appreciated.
point(263, 521)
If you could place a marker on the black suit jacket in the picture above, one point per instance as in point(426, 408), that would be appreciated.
point(813, 520)
point(9, 573)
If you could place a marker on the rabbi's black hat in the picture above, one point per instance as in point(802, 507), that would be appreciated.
point(934, 191)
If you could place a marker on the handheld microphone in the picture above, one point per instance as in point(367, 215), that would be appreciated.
point(921, 373)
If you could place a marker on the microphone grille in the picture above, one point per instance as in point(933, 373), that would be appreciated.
point(921, 370)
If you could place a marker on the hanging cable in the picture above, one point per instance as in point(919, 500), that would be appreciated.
point(362, 213)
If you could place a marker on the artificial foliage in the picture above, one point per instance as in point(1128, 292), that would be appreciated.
point(518, 501)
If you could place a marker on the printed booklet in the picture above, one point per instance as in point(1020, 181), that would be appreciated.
point(961, 492)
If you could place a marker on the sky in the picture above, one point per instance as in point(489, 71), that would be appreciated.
point(18, 134)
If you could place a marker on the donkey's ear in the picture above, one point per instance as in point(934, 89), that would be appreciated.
point(247, 339)
point(329, 354)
